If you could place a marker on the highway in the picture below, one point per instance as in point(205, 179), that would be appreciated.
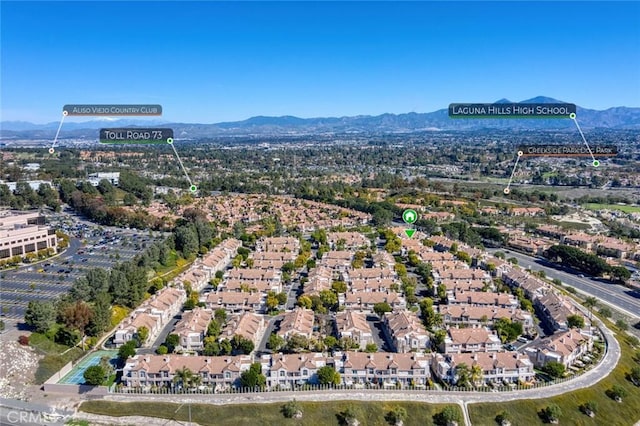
point(613, 294)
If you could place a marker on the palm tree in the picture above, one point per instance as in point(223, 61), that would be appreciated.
point(464, 375)
point(476, 374)
point(590, 302)
point(196, 380)
point(184, 376)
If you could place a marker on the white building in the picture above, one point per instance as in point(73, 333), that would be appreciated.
point(112, 177)
point(22, 233)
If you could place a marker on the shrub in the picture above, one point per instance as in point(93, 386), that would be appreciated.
point(616, 392)
point(503, 418)
point(589, 408)
point(23, 340)
point(397, 415)
point(552, 413)
point(447, 416)
point(292, 410)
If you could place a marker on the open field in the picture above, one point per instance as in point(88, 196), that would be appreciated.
point(622, 207)
point(609, 412)
point(314, 413)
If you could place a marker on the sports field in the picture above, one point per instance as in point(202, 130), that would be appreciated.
point(75, 376)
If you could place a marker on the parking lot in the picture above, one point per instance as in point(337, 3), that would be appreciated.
point(91, 246)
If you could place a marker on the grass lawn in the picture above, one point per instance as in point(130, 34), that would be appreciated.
point(50, 364)
point(53, 359)
point(609, 412)
point(623, 208)
point(314, 413)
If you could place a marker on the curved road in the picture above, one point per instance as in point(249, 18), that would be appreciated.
point(588, 379)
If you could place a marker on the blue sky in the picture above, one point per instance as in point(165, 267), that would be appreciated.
point(216, 61)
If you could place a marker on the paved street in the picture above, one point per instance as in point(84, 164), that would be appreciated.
point(614, 294)
point(586, 380)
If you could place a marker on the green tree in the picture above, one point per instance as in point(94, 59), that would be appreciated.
point(253, 377)
point(329, 299)
point(622, 325)
point(305, 302)
point(339, 286)
point(463, 374)
point(282, 298)
point(504, 418)
point(241, 345)
point(371, 347)
point(476, 375)
point(448, 416)
point(620, 273)
point(292, 410)
point(67, 337)
point(327, 375)
point(127, 350)
point(397, 415)
point(634, 375)
point(381, 308)
point(330, 342)
point(605, 311)
point(183, 377)
point(552, 413)
point(589, 408)
point(438, 338)
point(442, 293)
point(172, 341)
point(272, 301)
point(162, 350)
point(297, 342)
point(94, 375)
point(554, 369)
point(41, 315)
point(143, 334)
point(575, 321)
point(590, 302)
point(350, 416)
point(276, 342)
point(101, 318)
point(617, 392)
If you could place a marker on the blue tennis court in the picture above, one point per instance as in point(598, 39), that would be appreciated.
point(75, 376)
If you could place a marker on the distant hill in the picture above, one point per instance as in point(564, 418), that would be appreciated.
point(612, 118)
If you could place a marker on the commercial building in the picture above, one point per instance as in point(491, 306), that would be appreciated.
point(22, 233)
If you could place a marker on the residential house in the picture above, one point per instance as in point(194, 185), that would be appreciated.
point(128, 329)
point(192, 328)
point(497, 367)
point(292, 370)
point(406, 331)
point(482, 315)
point(483, 298)
point(347, 240)
point(383, 368)
point(366, 300)
point(235, 302)
point(461, 340)
point(299, 321)
point(554, 310)
point(248, 325)
point(354, 325)
point(215, 372)
point(565, 347)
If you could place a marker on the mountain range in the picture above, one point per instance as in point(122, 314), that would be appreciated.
point(612, 118)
